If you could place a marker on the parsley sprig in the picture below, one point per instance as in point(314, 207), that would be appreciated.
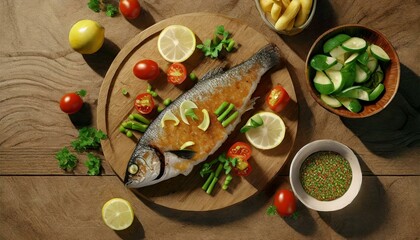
point(93, 164)
point(66, 159)
point(221, 40)
point(89, 138)
point(99, 5)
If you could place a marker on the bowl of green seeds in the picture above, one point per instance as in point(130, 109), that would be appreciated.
point(325, 175)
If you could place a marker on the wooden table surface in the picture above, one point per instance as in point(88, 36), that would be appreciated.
point(40, 201)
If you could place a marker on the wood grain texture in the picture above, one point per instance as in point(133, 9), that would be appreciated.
point(114, 108)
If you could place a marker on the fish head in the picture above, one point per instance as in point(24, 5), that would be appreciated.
point(145, 166)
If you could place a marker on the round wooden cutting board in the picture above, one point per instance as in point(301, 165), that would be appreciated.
point(184, 192)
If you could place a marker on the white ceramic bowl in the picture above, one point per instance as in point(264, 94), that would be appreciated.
point(325, 145)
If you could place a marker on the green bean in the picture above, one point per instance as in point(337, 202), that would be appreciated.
point(127, 132)
point(138, 117)
point(135, 126)
point(230, 119)
point(226, 112)
point(220, 109)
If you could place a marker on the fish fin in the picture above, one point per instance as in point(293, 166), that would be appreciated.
point(212, 73)
point(251, 104)
point(185, 154)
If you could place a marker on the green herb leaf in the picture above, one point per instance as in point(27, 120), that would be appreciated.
point(190, 113)
point(93, 164)
point(66, 160)
point(213, 48)
point(271, 210)
point(256, 121)
point(94, 5)
point(89, 138)
point(81, 92)
point(111, 10)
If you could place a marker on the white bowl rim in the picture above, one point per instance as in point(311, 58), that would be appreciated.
point(325, 145)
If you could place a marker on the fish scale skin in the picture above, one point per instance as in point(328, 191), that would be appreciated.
point(236, 85)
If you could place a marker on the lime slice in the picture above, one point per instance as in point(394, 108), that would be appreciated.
point(176, 43)
point(206, 120)
point(185, 105)
point(270, 134)
point(379, 53)
point(322, 83)
point(321, 62)
point(330, 101)
point(169, 116)
point(117, 214)
point(334, 42)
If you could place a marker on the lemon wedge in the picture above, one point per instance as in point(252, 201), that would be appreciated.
point(206, 120)
point(270, 134)
point(185, 105)
point(176, 43)
point(187, 144)
point(117, 214)
point(169, 116)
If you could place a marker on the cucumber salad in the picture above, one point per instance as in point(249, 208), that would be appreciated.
point(349, 71)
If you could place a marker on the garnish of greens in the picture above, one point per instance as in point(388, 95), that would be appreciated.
point(272, 211)
point(255, 122)
point(99, 5)
point(89, 138)
point(81, 92)
point(93, 164)
point(223, 111)
point(66, 159)
point(190, 113)
point(221, 40)
point(224, 163)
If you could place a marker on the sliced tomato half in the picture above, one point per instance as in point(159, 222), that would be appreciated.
point(144, 103)
point(242, 152)
point(277, 99)
point(177, 73)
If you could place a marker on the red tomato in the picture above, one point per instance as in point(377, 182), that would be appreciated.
point(277, 99)
point(242, 152)
point(130, 9)
point(146, 69)
point(71, 103)
point(285, 202)
point(177, 73)
point(144, 103)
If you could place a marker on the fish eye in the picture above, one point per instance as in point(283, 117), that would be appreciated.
point(133, 169)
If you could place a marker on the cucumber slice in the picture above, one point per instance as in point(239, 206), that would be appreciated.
point(379, 53)
point(334, 42)
point(338, 51)
point(372, 64)
point(361, 74)
point(358, 92)
point(336, 78)
point(363, 58)
point(322, 83)
point(353, 105)
point(337, 66)
point(348, 72)
point(376, 92)
point(331, 101)
point(321, 62)
point(352, 58)
point(354, 44)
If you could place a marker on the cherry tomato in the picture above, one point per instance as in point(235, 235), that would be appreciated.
point(146, 69)
point(177, 73)
point(242, 152)
point(277, 99)
point(144, 103)
point(71, 103)
point(130, 9)
point(285, 202)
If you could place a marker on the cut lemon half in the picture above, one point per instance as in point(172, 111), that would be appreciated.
point(176, 43)
point(117, 214)
point(270, 134)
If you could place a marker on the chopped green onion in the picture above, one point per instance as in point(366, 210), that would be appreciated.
point(228, 179)
point(231, 45)
point(124, 92)
point(214, 180)
point(193, 76)
point(230, 119)
point(208, 181)
point(139, 118)
point(190, 113)
point(160, 108)
point(256, 121)
point(221, 108)
point(135, 126)
point(167, 101)
point(226, 112)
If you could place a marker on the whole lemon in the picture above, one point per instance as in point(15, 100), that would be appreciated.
point(86, 36)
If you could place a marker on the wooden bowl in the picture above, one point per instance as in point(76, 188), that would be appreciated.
point(391, 72)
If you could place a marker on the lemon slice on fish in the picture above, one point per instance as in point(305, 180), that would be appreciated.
point(206, 120)
point(270, 134)
point(169, 116)
point(176, 43)
point(185, 105)
point(117, 214)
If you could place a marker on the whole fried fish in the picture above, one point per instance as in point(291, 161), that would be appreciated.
point(157, 156)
